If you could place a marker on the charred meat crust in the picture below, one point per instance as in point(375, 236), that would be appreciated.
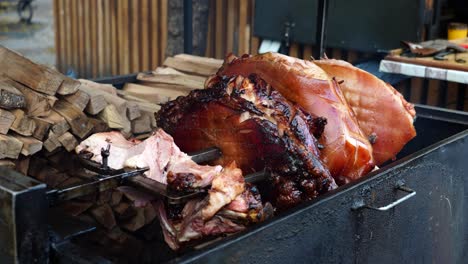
point(287, 132)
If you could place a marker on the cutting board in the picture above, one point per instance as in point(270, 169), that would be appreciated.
point(450, 62)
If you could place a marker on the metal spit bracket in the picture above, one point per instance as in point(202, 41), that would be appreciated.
point(23, 219)
point(399, 187)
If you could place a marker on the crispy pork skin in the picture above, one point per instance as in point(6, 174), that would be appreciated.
point(254, 125)
point(383, 114)
point(347, 153)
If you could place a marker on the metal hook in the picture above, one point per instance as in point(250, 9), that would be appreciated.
point(105, 153)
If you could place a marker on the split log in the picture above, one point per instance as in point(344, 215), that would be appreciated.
point(142, 124)
point(167, 70)
point(194, 64)
point(168, 86)
point(96, 102)
point(51, 176)
point(65, 162)
point(10, 147)
point(104, 197)
point(22, 164)
point(36, 163)
point(211, 62)
point(104, 216)
point(136, 222)
point(37, 104)
point(189, 81)
point(68, 141)
point(42, 128)
point(7, 163)
point(77, 120)
point(23, 124)
point(52, 143)
point(79, 99)
point(71, 181)
point(6, 120)
point(150, 213)
point(68, 86)
point(116, 198)
point(58, 123)
point(75, 208)
point(124, 211)
point(98, 125)
point(108, 88)
point(112, 117)
point(30, 145)
point(10, 97)
point(149, 107)
point(156, 99)
point(133, 111)
point(37, 77)
point(110, 95)
point(115, 119)
point(152, 94)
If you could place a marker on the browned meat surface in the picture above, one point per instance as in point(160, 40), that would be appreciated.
point(206, 217)
point(347, 153)
point(255, 126)
point(383, 114)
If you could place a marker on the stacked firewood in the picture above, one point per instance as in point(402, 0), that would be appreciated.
point(44, 115)
point(180, 74)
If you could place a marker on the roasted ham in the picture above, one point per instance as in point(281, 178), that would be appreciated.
point(384, 116)
point(255, 126)
point(230, 205)
point(347, 153)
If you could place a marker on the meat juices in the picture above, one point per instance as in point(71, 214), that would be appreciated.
point(257, 127)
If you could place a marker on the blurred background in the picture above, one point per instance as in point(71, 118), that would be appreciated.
point(97, 38)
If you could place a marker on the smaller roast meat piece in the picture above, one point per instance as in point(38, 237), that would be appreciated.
point(254, 125)
point(384, 116)
point(167, 164)
point(229, 207)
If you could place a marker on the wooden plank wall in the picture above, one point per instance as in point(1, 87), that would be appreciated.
point(111, 37)
point(99, 38)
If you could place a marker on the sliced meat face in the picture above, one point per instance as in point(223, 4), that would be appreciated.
point(253, 125)
point(384, 116)
point(347, 153)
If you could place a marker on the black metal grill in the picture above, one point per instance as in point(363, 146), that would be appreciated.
point(338, 227)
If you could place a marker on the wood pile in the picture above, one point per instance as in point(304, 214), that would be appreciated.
point(181, 74)
point(44, 115)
